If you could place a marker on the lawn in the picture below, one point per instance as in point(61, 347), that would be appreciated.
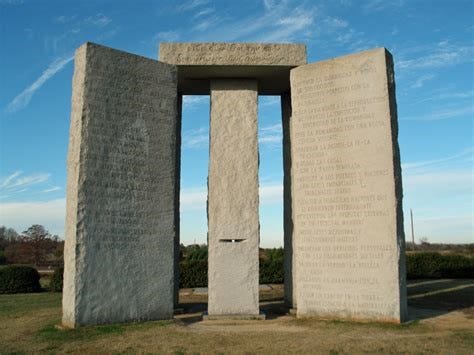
point(442, 313)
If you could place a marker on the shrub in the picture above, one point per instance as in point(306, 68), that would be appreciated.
point(271, 271)
point(19, 279)
point(435, 265)
point(3, 258)
point(196, 252)
point(193, 273)
point(56, 282)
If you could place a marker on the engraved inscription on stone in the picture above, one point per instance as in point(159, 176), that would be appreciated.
point(347, 189)
point(121, 220)
point(233, 54)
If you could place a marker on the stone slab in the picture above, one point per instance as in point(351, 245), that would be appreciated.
point(199, 63)
point(200, 291)
point(233, 216)
point(347, 190)
point(225, 317)
point(121, 220)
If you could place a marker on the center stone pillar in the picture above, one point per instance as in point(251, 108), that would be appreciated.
point(233, 221)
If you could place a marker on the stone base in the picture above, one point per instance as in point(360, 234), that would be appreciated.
point(179, 310)
point(206, 316)
point(292, 311)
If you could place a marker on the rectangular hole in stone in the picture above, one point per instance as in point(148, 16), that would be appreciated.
point(231, 240)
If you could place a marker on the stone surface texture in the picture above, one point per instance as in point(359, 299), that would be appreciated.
point(200, 63)
point(214, 53)
point(122, 220)
point(233, 223)
point(347, 189)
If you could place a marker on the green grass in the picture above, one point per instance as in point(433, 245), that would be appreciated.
point(24, 303)
point(28, 325)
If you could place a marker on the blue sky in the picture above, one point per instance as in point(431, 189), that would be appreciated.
point(431, 41)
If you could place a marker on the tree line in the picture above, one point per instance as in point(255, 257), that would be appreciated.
point(34, 246)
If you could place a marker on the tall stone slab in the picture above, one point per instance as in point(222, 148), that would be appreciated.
point(121, 223)
point(233, 199)
point(347, 189)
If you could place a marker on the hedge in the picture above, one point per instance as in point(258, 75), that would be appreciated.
point(193, 273)
point(435, 265)
point(19, 279)
point(271, 271)
point(56, 282)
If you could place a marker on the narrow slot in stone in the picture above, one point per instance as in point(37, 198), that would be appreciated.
point(231, 240)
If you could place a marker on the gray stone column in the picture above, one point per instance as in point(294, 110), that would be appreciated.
point(233, 216)
point(121, 210)
point(347, 189)
point(290, 294)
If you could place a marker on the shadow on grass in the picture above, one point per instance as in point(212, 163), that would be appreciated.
point(431, 298)
point(191, 311)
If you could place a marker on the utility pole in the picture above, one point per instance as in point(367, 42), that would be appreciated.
point(412, 230)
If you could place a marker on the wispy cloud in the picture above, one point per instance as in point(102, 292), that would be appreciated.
point(193, 199)
point(14, 186)
point(443, 114)
point(448, 172)
point(9, 179)
point(55, 188)
point(421, 80)
point(280, 21)
point(72, 28)
point(166, 36)
point(446, 94)
point(271, 193)
point(23, 99)
point(379, 5)
point(192, 4)
point(335, 23)
point(195, 100)
point(64, 19)
point(204, 12)
point(195, 138)
point(207, 22)
point(17, 180)
point(443, 54)
point(11, 2)
point(98, 19)
point(269, 100)
point(271, 135)
point(467, 153)
point(440, 192)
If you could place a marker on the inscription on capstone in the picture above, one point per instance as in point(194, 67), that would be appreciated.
point(347, 189)
point(235, 54)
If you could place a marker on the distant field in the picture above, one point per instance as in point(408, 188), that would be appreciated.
point(442, 313)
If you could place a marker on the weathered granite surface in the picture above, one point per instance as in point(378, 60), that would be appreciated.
point(233, 199)
point(200, 63)
point(347, 189)
point(122, 219)
point(215, 53)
